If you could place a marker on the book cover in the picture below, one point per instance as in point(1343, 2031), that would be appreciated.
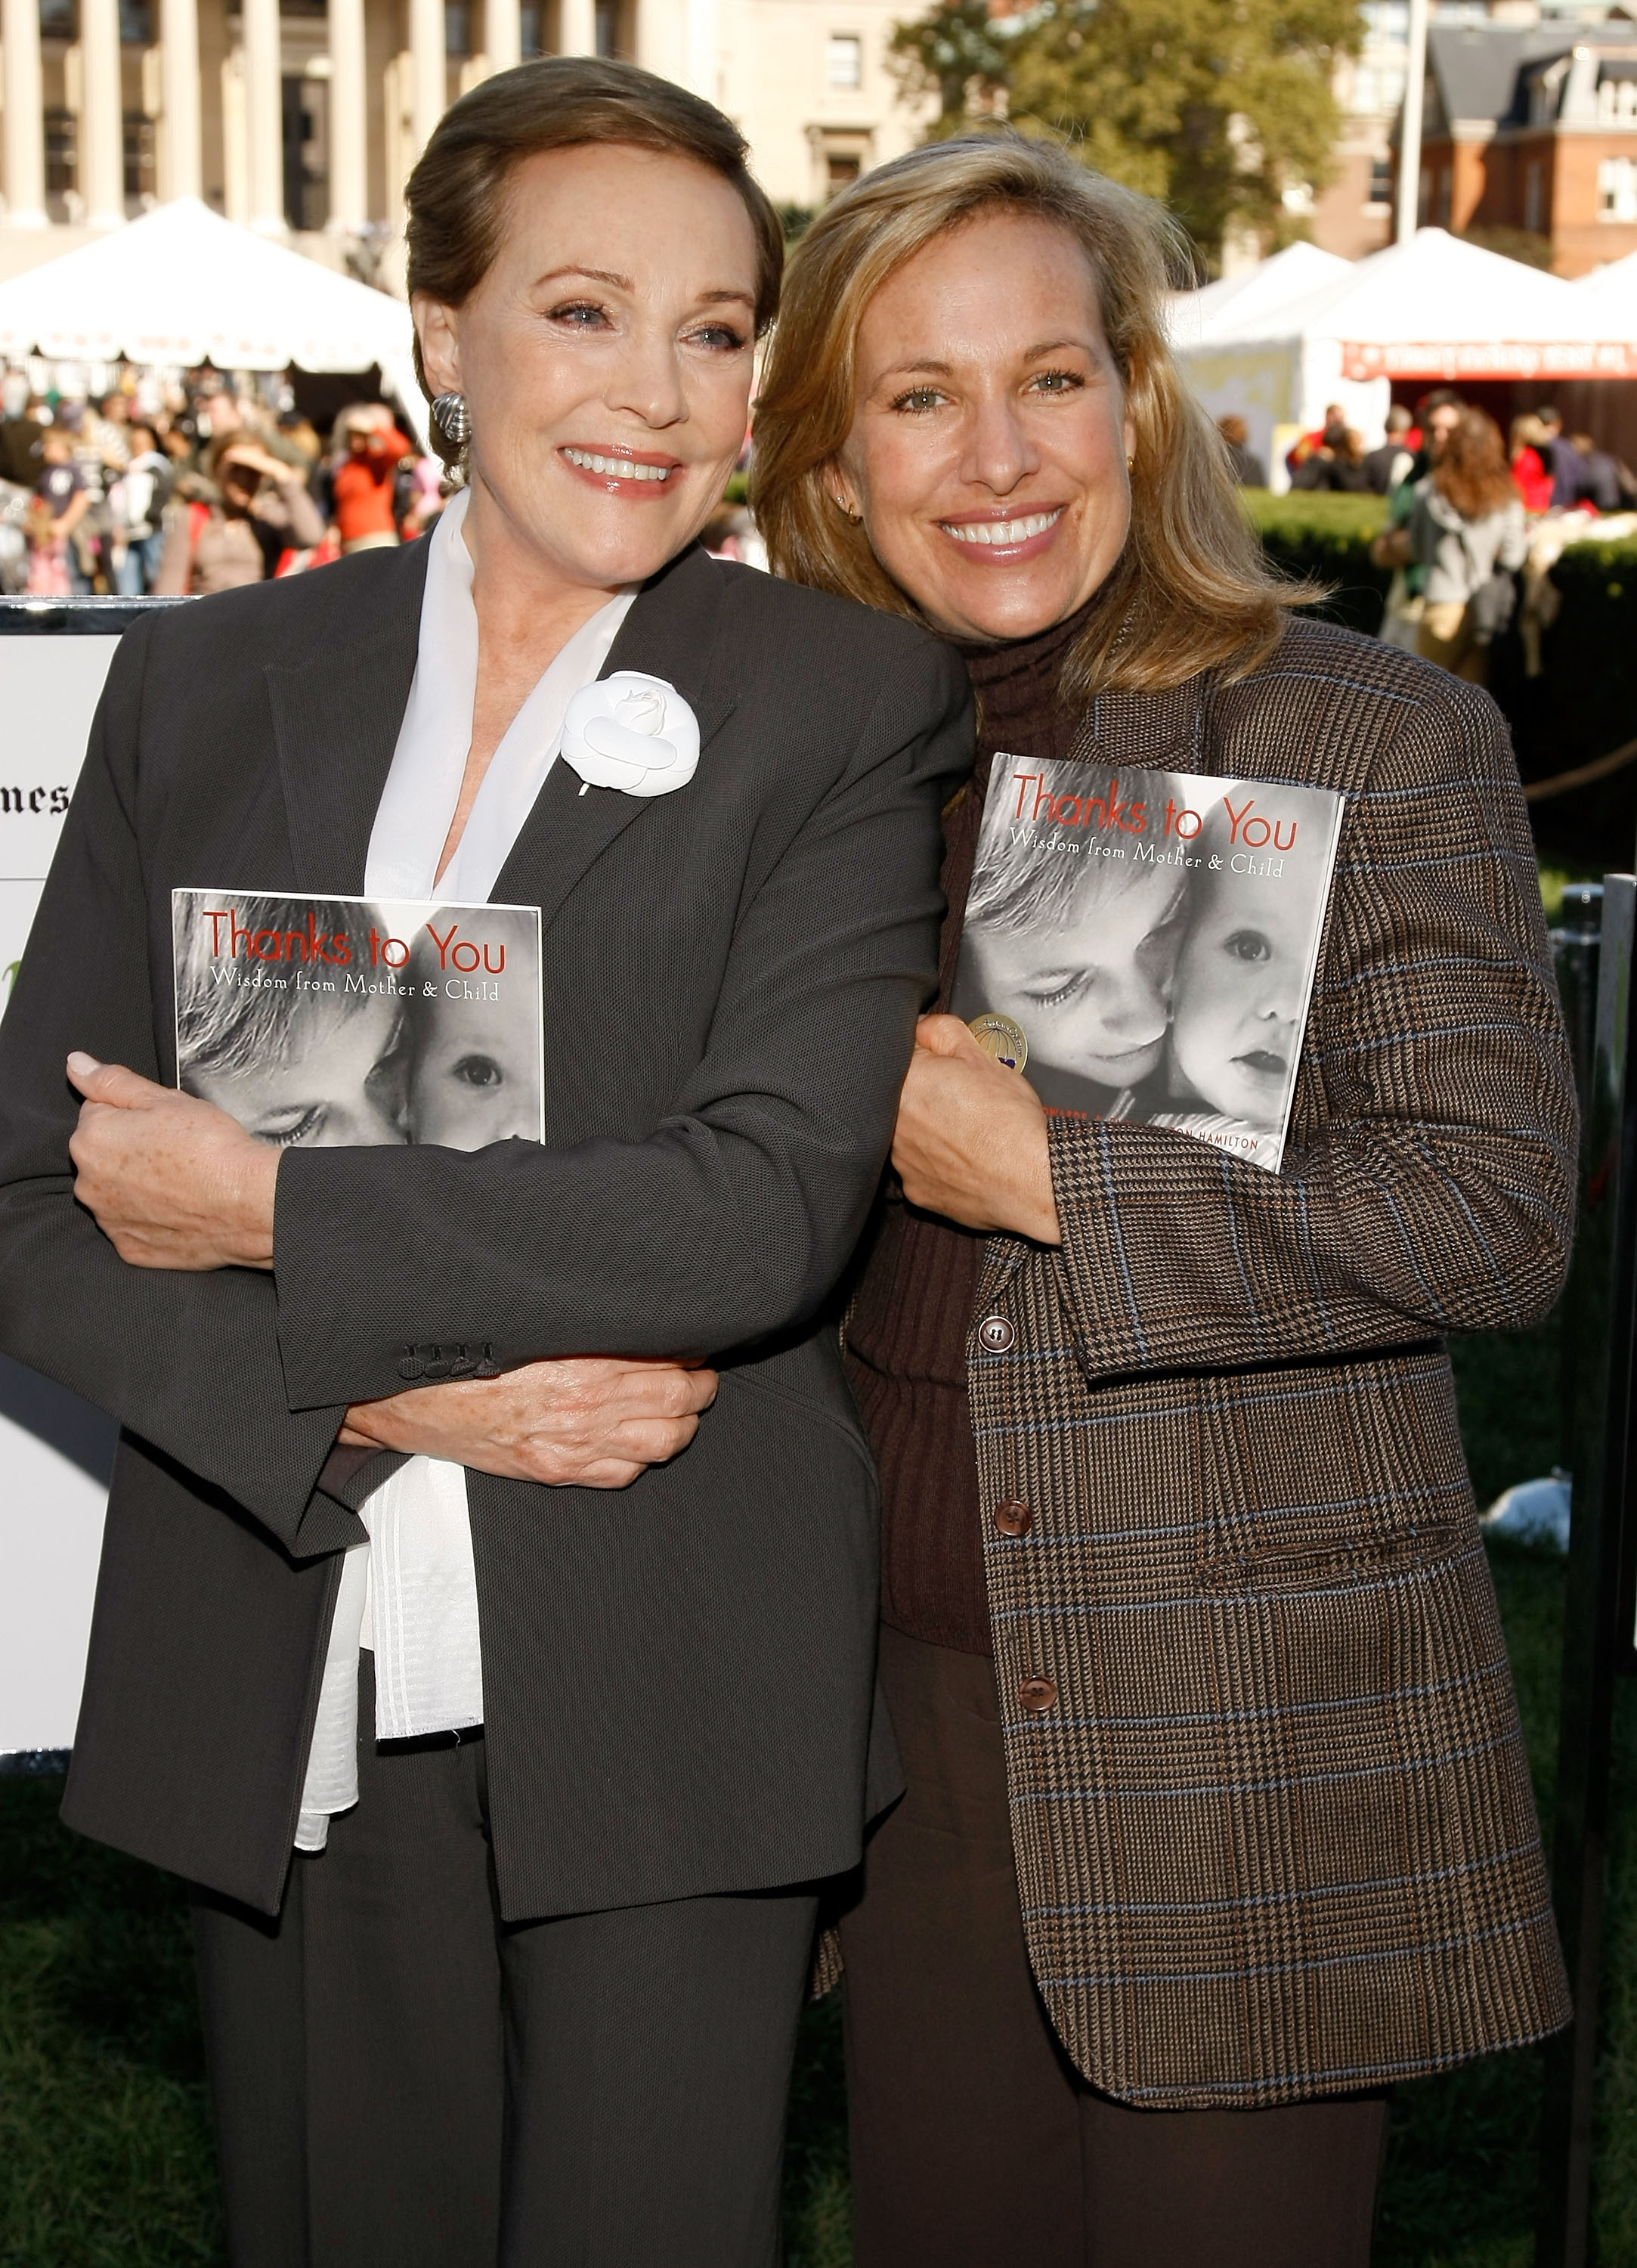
point(1144, 943)
point(331, 1022)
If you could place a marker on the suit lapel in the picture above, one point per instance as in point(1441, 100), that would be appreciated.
point(337, 718)
point(670, 632)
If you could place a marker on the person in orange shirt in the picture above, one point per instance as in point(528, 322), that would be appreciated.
point(363, 481)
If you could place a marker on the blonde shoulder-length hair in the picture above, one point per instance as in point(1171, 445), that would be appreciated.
point(1192, 589)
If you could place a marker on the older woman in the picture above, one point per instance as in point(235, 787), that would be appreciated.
point(526, 1988)
point(1218, 1817)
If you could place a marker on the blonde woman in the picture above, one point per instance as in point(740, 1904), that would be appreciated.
point(1218, 1818)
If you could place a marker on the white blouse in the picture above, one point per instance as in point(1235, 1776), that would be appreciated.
point(410, 1592)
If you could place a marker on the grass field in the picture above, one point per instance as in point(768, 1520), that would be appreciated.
point(105, 2158)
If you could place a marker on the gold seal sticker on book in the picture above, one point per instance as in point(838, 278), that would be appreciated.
point(998, 1036)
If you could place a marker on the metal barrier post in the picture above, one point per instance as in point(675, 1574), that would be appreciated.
point(1597, 1639)
point(1574, 943)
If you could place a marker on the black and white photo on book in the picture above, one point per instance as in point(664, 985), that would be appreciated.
point(335, 1022)
point(1145, 943)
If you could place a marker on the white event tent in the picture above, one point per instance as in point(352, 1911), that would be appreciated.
point(182, 286)
point(1614, 286)
point(1433, 309)
point(1235, 304)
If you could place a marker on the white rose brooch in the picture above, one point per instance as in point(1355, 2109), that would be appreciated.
point(633, 732)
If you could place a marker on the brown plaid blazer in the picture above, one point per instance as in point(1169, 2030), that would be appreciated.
point(1273, 1825)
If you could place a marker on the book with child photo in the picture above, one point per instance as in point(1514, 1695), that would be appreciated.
point(331, 1022)
point(1144, 943)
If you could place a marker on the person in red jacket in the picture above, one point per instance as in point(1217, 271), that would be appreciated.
point(364, 478)
point(1530, 460)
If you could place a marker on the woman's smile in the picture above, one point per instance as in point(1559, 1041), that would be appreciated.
point(618, 472)
point(997, 539)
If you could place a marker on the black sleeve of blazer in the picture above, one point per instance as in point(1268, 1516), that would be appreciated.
point(1433, 1185)
point(735, 1217)
point(190, 1362)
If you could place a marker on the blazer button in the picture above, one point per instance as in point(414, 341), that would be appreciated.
point(1013, 1519)
point(1037, 1694)
point(995, 1335)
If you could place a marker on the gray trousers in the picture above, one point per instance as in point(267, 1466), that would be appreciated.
point(402, 2081)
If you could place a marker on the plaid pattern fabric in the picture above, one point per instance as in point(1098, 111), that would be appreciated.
point(1274, 1824)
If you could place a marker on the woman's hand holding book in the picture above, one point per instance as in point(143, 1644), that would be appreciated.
point(970, 1141)
point(171, 1182)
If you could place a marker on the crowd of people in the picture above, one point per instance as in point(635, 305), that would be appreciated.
point(1553, 470)
point(193, 486)
point(1460, 498)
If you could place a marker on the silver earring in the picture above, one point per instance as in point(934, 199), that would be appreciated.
point(451, 418)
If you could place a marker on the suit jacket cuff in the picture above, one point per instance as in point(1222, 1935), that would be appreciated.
point(351, 1476)
point(1140, 1209)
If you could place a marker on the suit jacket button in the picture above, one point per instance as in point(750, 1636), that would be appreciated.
point(1013, 1519)
point(995, 1335)
point(1037, 1694)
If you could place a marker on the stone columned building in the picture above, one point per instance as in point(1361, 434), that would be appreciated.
point(302, 119)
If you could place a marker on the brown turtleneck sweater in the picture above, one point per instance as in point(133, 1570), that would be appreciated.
point(907, 1336)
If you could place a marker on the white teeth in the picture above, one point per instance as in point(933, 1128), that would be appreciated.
point(617, 469)
point(1001, 531)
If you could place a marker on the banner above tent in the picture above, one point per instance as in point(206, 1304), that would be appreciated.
point(1473, 358)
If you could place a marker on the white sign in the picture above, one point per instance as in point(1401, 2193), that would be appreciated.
point(55, 1451)
point(49, 687)
point(18, 901)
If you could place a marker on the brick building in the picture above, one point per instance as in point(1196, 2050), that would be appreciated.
point(1534, 128)
point(1353, 214)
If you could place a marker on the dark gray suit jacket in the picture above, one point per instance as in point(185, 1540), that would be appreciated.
point(677, 1676)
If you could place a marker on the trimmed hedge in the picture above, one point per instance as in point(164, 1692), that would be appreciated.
point(1326, 538)
point(1582, 706)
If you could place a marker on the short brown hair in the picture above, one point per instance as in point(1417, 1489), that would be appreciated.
point(1192, 589)
point(456, 197)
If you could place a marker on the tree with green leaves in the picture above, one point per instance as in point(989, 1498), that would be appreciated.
point(958, 52)
point(1221, 109)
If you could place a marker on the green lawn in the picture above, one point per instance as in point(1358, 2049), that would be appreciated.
point(105, 2158)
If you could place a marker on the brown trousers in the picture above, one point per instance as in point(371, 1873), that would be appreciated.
point(974, 2142)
